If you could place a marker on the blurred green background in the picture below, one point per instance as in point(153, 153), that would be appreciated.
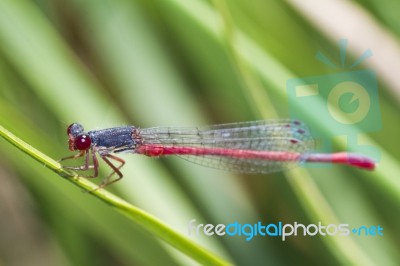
point(186, 63)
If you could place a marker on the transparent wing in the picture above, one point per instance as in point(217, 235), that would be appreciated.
point(285, 135)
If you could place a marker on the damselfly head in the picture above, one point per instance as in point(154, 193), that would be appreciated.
point(77, 139)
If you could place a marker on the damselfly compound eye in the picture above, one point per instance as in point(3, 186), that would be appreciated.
point(75, 129)
point(83, 142)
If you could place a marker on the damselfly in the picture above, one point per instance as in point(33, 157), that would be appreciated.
point(247, 147)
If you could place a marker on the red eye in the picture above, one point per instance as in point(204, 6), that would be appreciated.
point(83, 142)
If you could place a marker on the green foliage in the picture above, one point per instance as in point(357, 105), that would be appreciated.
point(183, 63)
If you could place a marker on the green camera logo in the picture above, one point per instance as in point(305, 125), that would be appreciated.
point(346, 99)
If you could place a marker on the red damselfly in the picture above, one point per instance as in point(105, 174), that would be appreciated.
point(247, 147)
